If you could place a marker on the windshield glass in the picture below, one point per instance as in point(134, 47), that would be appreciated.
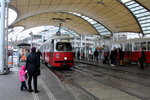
point(63, 46)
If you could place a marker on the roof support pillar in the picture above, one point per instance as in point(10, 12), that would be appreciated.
point(81, 45)
point(2, 36)
point(31, 39)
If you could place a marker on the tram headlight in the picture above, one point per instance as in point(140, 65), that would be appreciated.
point(65, 58)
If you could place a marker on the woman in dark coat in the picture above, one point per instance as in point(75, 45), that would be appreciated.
point(33, 69)
point(121, 56)
point(78, 55)
point(141, 58)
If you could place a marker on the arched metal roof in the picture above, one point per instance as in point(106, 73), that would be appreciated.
point(141, 13)
point(70, 21)
point(110, 13)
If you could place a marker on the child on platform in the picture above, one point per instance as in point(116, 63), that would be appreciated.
point(23, 77)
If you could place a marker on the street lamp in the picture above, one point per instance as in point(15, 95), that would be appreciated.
point(31, 38)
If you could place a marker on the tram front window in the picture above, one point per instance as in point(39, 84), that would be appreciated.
point(63, 46)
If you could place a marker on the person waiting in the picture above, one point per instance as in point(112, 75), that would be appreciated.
point(96, 55)
point(141, 58)
point(78, 55)
point(121, 56)
point(113, 57)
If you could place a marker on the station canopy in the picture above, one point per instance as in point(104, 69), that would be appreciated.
point(145, 3)
point(110, 13)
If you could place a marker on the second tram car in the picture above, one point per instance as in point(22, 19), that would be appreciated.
point(131, 48)
point(57, 51)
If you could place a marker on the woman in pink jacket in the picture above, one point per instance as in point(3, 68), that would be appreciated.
point(23, 78)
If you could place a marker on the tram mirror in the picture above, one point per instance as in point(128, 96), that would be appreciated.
point(52, 41)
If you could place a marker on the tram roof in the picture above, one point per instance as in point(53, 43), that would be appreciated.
point(61, 37)
point(110, 13)
point(131, 40)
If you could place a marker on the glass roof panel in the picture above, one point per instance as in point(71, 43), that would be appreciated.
point(142, 14)
point(146, 28)
point(96, 24)
point(146, 32)
point(70, 32)
point(143, 18)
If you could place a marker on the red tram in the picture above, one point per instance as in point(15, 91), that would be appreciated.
point(57, 51)
point(131, 48)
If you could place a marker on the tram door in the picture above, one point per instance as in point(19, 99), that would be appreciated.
point(51, 48)
point(146, 49)
point(128, 52)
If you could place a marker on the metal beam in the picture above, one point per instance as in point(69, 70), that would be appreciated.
point(2, 36)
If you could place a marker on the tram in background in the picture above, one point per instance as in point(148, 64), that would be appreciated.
point(131, 48)
point(57, 51)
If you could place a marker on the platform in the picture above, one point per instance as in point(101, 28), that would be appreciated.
point(48, 84)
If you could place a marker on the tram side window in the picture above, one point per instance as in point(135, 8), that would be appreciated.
point(127, 47)
point(51, 47)
point(148, 45)
point(47, 47)
point(136, 46)
point(143, 45)
point(130, 47)
point(121, 46)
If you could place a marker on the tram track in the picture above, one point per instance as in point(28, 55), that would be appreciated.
point(100, 73)
point(61, 75)
point(85, 91)
point(117, 87)
point(117, 77)
point(116, 70)
point(94, 74)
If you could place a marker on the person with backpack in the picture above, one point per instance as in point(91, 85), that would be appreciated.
point(96, 55)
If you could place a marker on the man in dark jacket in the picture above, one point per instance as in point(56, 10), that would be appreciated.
point(96, 55)
point(121, 56)
point(33, 69)
point(78, 55)
point(141, 58)
point(113, 57)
